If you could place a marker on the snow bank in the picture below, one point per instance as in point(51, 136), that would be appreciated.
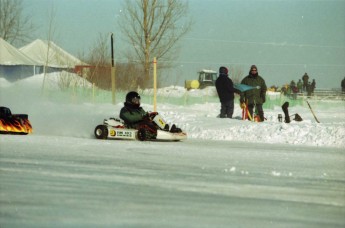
point(178, 91)
point(55, 80)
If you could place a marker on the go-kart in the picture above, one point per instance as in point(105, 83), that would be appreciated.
point(14, 123)
point(113, 128)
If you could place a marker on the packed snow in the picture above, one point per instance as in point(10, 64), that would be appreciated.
point(228, 173)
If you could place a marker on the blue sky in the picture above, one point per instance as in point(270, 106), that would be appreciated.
point(284, 38)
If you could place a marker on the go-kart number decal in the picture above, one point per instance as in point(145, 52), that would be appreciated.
point(127, 134)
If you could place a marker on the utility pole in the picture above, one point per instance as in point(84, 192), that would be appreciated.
point(112, 70)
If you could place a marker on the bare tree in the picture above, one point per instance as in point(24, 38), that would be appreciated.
point(50, 34)
point(153, 28)
point(100, 52)
point(13, 26)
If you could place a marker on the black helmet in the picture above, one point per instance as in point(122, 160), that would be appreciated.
point(133, 98)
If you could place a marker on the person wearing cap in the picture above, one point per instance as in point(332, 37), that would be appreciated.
point(255, 97)
point(225, 90)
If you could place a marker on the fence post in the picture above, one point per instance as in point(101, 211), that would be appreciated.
point(154, 84)
point(93, 92)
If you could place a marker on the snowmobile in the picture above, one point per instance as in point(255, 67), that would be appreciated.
point(114, 128)
point(14, 123)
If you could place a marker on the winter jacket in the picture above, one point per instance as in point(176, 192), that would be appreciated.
point(136, 117)
point(225, 88)
point(132, 114)
point(254, 96)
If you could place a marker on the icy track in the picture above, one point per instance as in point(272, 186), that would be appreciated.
point(55, 181)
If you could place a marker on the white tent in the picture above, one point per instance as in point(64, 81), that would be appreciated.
point(57, 57)
point(14, 64)
point(10, 55)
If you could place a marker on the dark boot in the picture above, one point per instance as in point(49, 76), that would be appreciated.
point(261, 115)
point(175, 129)
point(166, 127)
point(285, 107)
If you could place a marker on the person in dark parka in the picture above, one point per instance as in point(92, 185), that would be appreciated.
point(305, 79)
point(225, 90)
point(255, 97)
point(135, 116)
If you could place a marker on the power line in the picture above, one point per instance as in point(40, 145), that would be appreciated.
point(282, 44)
point(181, 62)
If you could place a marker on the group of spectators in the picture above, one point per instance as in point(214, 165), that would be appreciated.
point(253, 98)
point(302, 86)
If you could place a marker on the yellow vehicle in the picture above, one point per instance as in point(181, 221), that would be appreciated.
point(206, 78)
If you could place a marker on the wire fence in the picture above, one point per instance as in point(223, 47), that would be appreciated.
point(180, 98)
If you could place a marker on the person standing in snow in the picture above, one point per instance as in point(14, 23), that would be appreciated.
point(136, 117)
point(255, 97)
point(309, 89)
point(343, 85)
point(305, 80)
point(299, 86)
point(225, 90)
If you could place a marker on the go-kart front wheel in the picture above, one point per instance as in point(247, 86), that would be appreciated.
point(101, 132)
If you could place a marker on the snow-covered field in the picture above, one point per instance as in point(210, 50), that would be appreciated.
point(228, 173)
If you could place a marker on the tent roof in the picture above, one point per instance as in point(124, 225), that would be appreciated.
point(58, 57)
point(10, 55)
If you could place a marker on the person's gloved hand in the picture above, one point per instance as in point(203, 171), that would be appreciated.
point(146, 116)
point(150, 115)
point(153, 114)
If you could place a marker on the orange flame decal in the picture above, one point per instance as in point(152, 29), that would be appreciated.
point(15, 125)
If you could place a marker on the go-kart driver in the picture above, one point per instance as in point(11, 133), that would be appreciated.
point(136, 117)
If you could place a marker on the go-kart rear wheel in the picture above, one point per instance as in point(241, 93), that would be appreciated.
point(101, 132)
point(142, 134)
